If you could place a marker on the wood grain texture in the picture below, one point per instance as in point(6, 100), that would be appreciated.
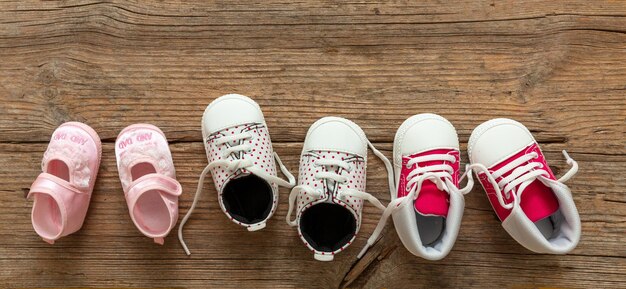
point(559, 67)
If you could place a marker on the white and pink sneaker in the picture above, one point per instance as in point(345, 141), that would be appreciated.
point(63, 190)
point(328, 199)
point(426, 202)
point(148, 177)
point(242, 163)
point(535, 208)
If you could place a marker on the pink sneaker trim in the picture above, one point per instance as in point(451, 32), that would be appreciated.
point(431, 201)
point(62, 192)
point(537, 200)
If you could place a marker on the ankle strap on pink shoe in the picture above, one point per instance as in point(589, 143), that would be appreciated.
point(169, 190)
point(64, 196)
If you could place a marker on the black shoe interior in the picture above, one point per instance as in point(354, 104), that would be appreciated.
point(327, 227)
point(248, 199)
point(430, 228)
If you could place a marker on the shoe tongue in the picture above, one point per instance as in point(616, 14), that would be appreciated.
point(432, 201)
point(237, 175)
point(240, 174)
point(538, 201)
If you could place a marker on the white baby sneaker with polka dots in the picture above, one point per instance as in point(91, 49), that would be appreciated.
point(242, 162)
point(328, 199)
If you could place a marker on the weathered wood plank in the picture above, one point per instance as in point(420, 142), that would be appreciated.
point(544, 70)
point(559, 67)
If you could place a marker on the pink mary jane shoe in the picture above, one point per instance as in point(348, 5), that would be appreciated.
point(62, 191)
point(146, 170)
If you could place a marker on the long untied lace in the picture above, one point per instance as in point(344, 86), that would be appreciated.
point(337, 178)
point(440, 174)
point(522, 176)
point(233, 166)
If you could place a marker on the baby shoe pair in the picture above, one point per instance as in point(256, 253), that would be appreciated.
point(242, 164)
point(62, 192)
point(427, 204)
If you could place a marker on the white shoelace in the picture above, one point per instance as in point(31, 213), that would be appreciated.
point(325, 175)
point(232, 166)
point(440, 174)
point(522, 176)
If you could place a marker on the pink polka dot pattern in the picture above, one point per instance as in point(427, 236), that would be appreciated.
point(262, 155)
point(355, 180)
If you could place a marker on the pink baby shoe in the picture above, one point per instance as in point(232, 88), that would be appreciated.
point(62, 191)
point(535, 208)
point(146, 169)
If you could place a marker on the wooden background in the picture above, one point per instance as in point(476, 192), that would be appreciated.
point(557, 66)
